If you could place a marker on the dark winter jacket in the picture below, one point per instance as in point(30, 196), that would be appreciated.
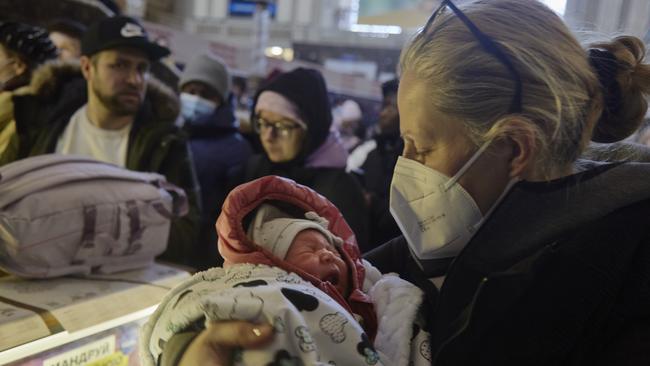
point(559, 274)
point(377, 173)
point(155, 144)
point(217, 149)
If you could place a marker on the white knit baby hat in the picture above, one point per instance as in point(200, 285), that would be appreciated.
point(275, 230)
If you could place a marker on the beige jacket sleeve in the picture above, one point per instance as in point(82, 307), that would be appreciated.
point(7, 123)
point(9, 141)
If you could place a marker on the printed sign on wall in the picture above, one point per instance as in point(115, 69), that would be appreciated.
point(84, 354)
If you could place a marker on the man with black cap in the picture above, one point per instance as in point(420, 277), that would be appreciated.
point(109, 108)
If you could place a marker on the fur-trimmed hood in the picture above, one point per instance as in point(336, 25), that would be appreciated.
point(42, 110)
point(49, 80)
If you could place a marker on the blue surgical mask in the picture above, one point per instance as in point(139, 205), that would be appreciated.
point(194, 107)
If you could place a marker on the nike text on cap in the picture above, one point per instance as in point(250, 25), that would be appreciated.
point(120, 31)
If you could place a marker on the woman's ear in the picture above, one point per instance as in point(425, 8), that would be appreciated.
point(19, 66)
point(522, 135)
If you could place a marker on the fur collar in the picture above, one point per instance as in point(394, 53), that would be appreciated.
point(49, 79)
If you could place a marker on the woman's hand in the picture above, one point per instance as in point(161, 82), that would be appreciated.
point(213, 346)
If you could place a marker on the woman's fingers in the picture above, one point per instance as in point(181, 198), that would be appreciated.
point(214, 345)
point(239, 334)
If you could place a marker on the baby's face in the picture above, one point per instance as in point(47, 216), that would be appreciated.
point(311, 252)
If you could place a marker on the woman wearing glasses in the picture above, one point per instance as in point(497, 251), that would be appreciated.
point(292, 116)
point(528, 255)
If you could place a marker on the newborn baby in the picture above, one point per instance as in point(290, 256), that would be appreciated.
point(295, 274)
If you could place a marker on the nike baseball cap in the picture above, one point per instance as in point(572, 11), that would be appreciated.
point(120, 31)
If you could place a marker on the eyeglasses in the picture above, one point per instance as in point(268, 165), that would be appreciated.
point(488, 45)
point(283, 128)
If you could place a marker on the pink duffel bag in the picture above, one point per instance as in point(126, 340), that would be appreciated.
point(63, 214)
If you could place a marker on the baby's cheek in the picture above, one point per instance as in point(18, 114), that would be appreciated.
point(304, 264)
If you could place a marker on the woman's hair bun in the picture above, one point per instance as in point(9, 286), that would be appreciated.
point(625, 82)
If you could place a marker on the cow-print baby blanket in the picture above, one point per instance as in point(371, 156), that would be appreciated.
point(310, 327)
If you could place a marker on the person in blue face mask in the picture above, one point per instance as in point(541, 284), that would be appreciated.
point(204, 86)
point(217, 146)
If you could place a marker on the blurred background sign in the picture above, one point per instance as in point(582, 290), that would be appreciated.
point(246, 8)
point(401, 13)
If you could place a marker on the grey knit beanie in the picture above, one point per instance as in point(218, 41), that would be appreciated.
point(275, 230)
point(210, 70)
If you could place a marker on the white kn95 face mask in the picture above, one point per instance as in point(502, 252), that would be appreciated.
point(437, 216)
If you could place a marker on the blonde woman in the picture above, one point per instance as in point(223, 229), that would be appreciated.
point(529, 255)
point(534, 261)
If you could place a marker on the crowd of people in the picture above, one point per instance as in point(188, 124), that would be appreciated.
point(90, 91)
point(500, 181)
